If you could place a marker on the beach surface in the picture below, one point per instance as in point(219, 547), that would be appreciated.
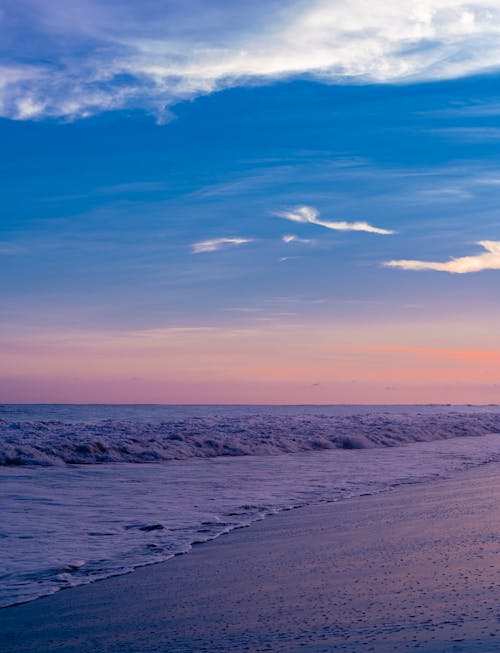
point(416, 568)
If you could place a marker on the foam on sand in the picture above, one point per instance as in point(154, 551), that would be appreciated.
point(415, 569)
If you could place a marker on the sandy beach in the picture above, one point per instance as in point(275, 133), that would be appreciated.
point(412, 569)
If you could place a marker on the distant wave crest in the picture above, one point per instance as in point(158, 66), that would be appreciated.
point(56, 442)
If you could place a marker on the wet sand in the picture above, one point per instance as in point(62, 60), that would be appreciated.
point(413, 569)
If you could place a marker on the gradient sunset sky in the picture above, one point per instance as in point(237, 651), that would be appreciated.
point(250, 202)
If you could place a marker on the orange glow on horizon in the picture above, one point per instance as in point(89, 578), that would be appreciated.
point(220, 365)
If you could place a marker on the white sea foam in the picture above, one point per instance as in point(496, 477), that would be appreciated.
point(59, 442)
point(64, 525)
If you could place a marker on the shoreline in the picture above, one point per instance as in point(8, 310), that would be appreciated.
point(411, 569)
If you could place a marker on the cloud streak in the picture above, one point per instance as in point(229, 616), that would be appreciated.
point(309, 215)
point(217, 243)
point(290, 238)
point(91, 56)
point(488, 260)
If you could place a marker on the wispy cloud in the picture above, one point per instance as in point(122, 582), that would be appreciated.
point(442, 194)
point(243, 309)
point(290, 238)
point(470, 134)
point(94, 56)
point(487, 260)
point(474, 109)
point(488, 181)
point(217, 243)
point(12, 249)
point(308, 214)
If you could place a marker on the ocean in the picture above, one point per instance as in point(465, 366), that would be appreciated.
point(88, 492)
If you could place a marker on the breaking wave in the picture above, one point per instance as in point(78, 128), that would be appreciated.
point(59, 442)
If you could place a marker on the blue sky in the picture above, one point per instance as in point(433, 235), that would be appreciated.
point(185, 165)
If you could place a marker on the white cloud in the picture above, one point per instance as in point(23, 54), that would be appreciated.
point(308, 214)
point(290, 238)
point(488, 260)
point(217, 243)
point(99, 56)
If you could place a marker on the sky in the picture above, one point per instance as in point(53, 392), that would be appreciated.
point(266, 202)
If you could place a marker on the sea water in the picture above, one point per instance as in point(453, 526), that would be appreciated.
point(87, 492)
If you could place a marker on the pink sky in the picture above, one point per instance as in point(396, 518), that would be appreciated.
point(283, 364)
